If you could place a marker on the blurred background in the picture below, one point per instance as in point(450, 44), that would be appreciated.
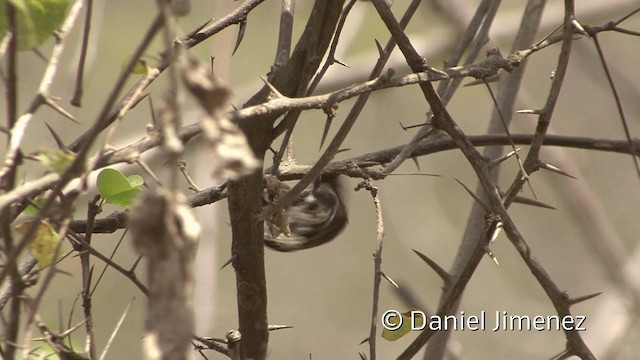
point(325, 292)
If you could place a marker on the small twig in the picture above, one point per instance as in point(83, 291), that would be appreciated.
point(190, 40)
point(444, 275)
point(532, 161)
point(475, 37)
point(118, 220)
point(344, 130)
point(286, 33)
point(106, 265)
point(290, 120)
point(77, 166)
point(514, 151)
point(377, 263)
point(7, 183)
point(210, 344)
point(115, 331)
point(18, 127)
point(182, 165)
point(128, 274)
point(333, 47)
point(77, 94)
point(51, 271)
point(242, 27)
point(616, 96)
point(56, 340)
point(485, 207)
point(93, 209)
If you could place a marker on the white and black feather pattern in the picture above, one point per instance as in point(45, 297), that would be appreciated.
point(316, 217)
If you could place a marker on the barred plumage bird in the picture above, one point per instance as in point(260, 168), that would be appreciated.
point(315, 217)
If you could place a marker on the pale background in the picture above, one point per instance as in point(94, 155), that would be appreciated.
point(326, 292)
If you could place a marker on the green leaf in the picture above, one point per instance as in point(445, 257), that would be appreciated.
point(140, 67)
point(43, 245)
point(404, 329)
point(31, 210)
point(111, 181)
point(37, 20)
point(39, 202)
point(20, 4)
point(135, 181)
point(117, 189)
point(123, 199)
point(57, 160)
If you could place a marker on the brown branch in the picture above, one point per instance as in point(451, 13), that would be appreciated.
point(286, 33)
point(18, 127)
point(11, 91)
point(377, 261)
point(76, 168)
point(442, 120)
point(129, 274)
point(276, 106)
point(344, 130)
point(188, 41)
point(87, 276)
point(169, 250)
point(476, 37)
point(290, 120)
point(614, 92)
point(7, 182)
point(119, 220)
point(245, 194)
point(508, 90)
point(79, 85)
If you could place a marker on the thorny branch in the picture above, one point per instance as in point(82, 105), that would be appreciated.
point(442, 120)
point(377, 261)
point(132, 152)
point(354, 167)
point(246, 193)
point(252, 120)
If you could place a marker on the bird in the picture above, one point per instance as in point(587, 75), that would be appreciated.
point(317, 216)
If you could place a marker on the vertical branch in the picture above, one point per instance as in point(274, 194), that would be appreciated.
point(282, 56)
point(170, 248)
point(7, 183)
point(245, 194)
point(165, 231)
point(169, 118)
point(349, 121)
point(616, 96)
point(286, 33)
point(486, 12)
point(19, 126)
point(532, 162)
point(18, 132)
point(443, 120)
point(508, 89)
point(12, 65)
point(290, 120)
point(87, 276)
point(135, 94)
point(77, 94)
point(377, 261)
